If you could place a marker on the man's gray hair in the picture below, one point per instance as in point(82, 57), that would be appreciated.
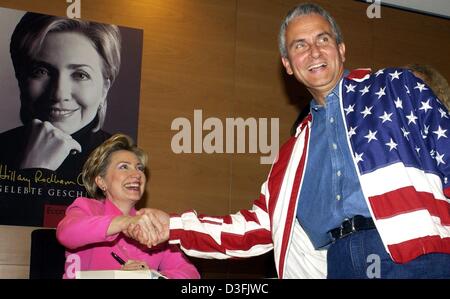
point(305, 9)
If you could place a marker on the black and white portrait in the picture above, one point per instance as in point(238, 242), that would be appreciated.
point(66, 85)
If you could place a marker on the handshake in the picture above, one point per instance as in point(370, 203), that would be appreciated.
point(149, 227)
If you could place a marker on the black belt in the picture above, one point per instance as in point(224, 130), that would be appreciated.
point(352, 225)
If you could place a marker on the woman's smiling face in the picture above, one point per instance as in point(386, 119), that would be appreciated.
point(125, 178)
point(65, 85)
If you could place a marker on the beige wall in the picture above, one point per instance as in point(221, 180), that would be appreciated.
point(221, 56)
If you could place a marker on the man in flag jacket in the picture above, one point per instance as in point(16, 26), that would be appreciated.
point(361, 190)
point(408, 198)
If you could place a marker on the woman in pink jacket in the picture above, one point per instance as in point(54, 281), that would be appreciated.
point(93, 230)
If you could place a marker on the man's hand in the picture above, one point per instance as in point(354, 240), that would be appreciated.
point(154, 231)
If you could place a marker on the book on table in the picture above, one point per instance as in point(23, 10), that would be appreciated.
point(119, 274)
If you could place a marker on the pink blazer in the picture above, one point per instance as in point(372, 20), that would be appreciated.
point(83, 233)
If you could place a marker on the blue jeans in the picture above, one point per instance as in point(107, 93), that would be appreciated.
point(361, 255)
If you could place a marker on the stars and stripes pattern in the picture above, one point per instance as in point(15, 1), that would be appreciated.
point(373, 116)
point(399, 134)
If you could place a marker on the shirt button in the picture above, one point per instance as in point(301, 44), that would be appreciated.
point(338, 197)
point(338, 173)
point(331, 120)
point(334, 146)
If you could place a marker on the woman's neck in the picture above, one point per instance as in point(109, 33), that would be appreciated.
point(122, 206)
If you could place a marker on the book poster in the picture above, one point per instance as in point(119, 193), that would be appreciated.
point(66, 86)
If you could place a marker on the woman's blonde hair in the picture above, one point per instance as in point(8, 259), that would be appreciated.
point(99, 159)
point(434, 80)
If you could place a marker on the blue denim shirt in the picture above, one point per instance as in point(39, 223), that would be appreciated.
point(331, 191)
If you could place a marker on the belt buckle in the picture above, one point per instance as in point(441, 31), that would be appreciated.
point(343, 225)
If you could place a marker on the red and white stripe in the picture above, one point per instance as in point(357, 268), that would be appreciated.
point(409, 208)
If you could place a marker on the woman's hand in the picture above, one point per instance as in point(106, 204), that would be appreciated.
point(135, 265)
point(141, 227)
point(154, 231)
point(47, 146)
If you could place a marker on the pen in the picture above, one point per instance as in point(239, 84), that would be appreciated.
point(117, 258)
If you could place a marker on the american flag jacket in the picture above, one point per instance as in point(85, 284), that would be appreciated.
point(398, 135)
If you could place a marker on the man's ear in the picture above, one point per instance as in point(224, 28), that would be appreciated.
point(341, 48)
point(287, 65)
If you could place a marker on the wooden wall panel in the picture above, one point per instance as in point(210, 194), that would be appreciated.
point(190, 66)
point(221, 56)
point(14, 271)
point(402, 37)
point(15, 247)
point(256, 95)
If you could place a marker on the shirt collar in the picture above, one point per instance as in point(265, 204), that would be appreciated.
point(83, 134)
point(335, 91)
